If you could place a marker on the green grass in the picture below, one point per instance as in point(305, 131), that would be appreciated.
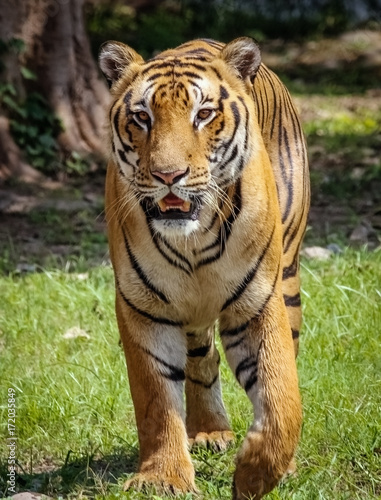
point(75, 423)
point(345, 154)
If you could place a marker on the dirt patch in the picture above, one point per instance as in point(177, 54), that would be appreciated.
point(52, 224)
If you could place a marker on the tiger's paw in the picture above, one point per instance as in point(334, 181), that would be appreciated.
point(216, 441)
point(291, 469)
point(258, 470)
point(163, 486)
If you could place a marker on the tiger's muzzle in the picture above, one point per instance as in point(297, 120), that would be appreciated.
point(171, 207)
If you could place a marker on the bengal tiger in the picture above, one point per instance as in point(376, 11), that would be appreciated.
point(207, 195)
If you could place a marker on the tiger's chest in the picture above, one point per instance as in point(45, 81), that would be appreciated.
point(196, 282)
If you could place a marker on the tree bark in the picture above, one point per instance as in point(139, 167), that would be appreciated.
point(57, 50)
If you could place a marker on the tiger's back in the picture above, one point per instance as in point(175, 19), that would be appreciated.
point(206, 199)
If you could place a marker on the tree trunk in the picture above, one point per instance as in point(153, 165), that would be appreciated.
point(58, 52)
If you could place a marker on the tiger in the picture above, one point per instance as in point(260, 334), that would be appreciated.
point(207, 196)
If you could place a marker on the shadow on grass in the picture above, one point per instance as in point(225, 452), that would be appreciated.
point(318, 79)
point(88, 475)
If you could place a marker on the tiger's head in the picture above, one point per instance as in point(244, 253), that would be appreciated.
point(182, 127)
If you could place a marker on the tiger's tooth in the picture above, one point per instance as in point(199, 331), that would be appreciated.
point(162, 205)
point(185, 207)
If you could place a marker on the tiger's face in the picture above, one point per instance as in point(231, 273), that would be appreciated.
point(182, 128)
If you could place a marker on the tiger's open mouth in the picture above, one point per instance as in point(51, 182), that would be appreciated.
point(172, 207)
point(172, 202)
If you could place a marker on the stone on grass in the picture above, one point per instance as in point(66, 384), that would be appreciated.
point(316, 252)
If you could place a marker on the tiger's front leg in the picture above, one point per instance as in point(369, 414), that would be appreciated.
point(261, 354)
point(206, 421)
point(156, 356)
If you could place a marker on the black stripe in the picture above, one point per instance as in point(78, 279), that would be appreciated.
point(246, 122)
point(188, 62)
point(249, 276)
point(218, 74)
point(122, 155)
point(127, 100)
point(124, 158)
point(261, 108)
point(212, 43)
point(203, 384)
point(199, 351)
point(288, 149)
point(244, 365)
point(232, 345)
point(189, 74)
point(292, 300)
point(224, 94)
point(251, 380)
point(237, 120)
point(155, 319)
point(156, 239)
point(175, 374)
point(155, 76)
point(139, 271)
point(275, 104)
point(254, 374)
point(235, 331)
point(225, 229)
point(232, 157)
point(159, 87)
point(292, 270)
point(298, 133)
point(175, 252)
point(289, 200)
point(157, 65)
point(115, 104)
point(126, 147)
point(287, 176)
point(287, 230)
point(267, 104)
point(198, 51)
point(211, 224)
point(295, 334)
point(241, 163)
point(294, 232)
point(263, 307)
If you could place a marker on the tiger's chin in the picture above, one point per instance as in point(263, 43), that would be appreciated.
point(175, 227)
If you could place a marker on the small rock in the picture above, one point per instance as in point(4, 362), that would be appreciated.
point(81, 276)
point(75, 333)
point(24, 267)
point(364, 235)
point(30, 495)
point(316, 253)
point(335, 248)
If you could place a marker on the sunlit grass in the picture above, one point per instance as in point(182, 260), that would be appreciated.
point(345, 123)
point(75, 420)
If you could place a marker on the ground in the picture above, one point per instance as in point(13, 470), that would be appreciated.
point(335, 84)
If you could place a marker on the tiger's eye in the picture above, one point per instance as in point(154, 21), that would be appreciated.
point(143, 116)
point(203, 114)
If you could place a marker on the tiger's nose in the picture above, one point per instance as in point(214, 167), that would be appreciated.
point(171, 177)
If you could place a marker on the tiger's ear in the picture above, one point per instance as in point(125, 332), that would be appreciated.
point(244, 56)
point(114, 58)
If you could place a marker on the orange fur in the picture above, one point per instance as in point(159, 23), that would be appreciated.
point(206, 200)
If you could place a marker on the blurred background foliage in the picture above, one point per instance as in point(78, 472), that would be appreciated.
point(156, 25)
